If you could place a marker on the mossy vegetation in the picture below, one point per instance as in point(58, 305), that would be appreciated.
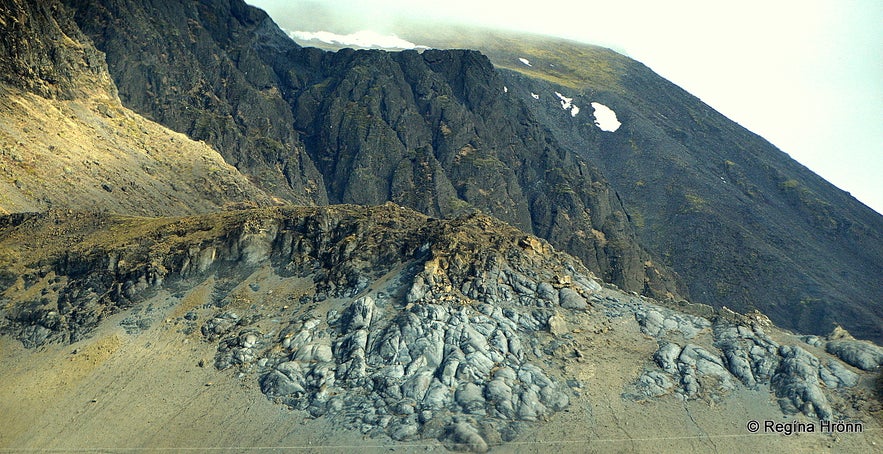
point(694, 204)
point(566, 63)
point(458, 205)
point(790, 184)
point(637, 218)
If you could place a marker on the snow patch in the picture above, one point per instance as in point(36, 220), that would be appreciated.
point(567, 104)
point(565, 101)
point(364, 38)
point(605, 118)
point(525, 61)
point(535, 96)
point(505, 89)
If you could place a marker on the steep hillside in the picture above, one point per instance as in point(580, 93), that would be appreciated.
point(432, 131)
point(67, 142)
point(741, 222)
point(381, 328)
point(44, 52)
point(199, 68)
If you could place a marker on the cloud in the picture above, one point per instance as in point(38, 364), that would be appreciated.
point(362, 38)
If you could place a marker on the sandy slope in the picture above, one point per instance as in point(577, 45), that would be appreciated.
point(95, 154)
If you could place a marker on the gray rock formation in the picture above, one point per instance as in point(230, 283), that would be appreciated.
point(742, 355)
point(449, 360)
point(395, 324)
point(861, 354)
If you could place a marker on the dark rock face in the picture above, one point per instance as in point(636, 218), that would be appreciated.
point(431, 131)
point(450, 142)
point(43, 51)
point(196, 67)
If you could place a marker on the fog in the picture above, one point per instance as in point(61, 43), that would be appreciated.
point(805, 75)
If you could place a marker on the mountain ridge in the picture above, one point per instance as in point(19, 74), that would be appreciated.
point(669, 226)
point(371, 138)
point(729, 212)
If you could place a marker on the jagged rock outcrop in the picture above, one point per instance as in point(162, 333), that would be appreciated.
point(66, 142)
point(43, 51)
point(861, 354)
point(445, 349)
point(395, 324)
point(391, 323)
point(432, 131)
point(197, 68)
point(741, 352)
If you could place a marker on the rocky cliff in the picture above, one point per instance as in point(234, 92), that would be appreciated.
point(199, 68)
point(679, 190)
point(452, 141)
point(433, 131)
point(67, 142)
point(45, 52)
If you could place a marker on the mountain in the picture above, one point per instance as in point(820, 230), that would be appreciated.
point(67, 142)
point(144, 305)
point(743, 224)
point(678, 202)
point(431, 131)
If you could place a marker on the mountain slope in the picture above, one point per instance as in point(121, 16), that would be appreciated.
point(433, 131)
point(66, 142)
point(741, 222)
point(197, 68)
point(351, 326)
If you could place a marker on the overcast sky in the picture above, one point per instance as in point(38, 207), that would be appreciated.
point(806, 75)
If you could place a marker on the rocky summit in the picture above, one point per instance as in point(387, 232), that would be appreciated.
point(465, 334)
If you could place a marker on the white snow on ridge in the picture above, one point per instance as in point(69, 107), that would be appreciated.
point(535, 96)
point(364, 38)
point(605, 118)
point(525, 61)
point(573, 111)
